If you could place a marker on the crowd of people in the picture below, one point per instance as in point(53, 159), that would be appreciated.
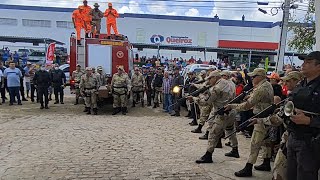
point(292, 141)
point(39, 82)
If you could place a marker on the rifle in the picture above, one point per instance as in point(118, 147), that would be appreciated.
point(237, 99)
point(197, 82)
point(263, 114)
point(195, 93)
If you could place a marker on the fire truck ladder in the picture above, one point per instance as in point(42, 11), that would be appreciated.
point(81, 53)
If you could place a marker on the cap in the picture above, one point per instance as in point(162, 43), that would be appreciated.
point(225, 73)
point(109, 4)
point(78, 65)
point(274, 75)
point(144, 66)
point(213, 74)
point(258, 72)
point(96, 5)
point(99, 68)
point(313, 55)
point(293, 75)
point(29, 63)
point(88, 69)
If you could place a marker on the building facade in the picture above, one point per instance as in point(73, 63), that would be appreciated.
point(56, 23)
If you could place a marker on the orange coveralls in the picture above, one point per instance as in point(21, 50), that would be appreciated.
point(87, 18)
point(111, 16)
point(79, 22)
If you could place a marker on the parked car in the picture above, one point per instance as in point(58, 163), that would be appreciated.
point(65, 69)
point(22, 51)
point(38, 57)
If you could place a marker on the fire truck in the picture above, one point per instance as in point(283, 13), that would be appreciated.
point(108, 52)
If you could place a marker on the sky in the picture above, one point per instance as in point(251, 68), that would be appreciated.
point(225, 9)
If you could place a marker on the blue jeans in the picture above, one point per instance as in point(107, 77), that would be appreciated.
point(14, 92)
point(167, 102)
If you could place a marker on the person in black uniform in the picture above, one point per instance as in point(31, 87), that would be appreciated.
point(21, 82)
point(148, 79)
point(157, 87)
point(303, 148)
point(58, 82)
point(42, 81)
point(177, 81)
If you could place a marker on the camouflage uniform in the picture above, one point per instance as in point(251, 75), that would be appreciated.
point(97, 15)
point(76, 76)
point(102, 79)
point(138, 86)
point(221, 93)
point(89, 85)
point(259, 99)
point(121, 85)
point(205, 107)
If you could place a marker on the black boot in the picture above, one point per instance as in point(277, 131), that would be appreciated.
point(41, 107)
point(77, 102)
point(142, 103)
point(95, 111)
point(46, 106)
point(87, 35)
point(233, 153)
point(265, 166)
point(193, 123)
point(205, 136)
point(219, 145)
point(85, 109)
point(198, 129)
point(155, 105)
point(207, 158)
point(245, 172)
point(124, 110)
point(89, 111)
point(78, 42)
point(133, 104)
point(115, 111)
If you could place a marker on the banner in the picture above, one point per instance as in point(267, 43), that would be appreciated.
point(50, 53)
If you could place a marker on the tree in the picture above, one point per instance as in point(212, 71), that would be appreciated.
point(304, 33)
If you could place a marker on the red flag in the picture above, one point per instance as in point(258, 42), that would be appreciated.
point(50, 53)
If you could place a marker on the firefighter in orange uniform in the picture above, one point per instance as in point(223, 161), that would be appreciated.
point(111, 16)
point(87, 17)
point(78, 22)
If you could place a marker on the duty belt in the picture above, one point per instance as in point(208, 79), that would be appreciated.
point(96, 19)
point(120, 87)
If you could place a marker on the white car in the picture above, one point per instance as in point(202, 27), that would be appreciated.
point(65, 69)
point(38, 57)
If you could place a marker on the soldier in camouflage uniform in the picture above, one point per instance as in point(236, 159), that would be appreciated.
point(97, 15)
point(138, 86)
point(220, 93)
point(121, 86)
point(76, 76)
point(89, 86)
point(259, 99)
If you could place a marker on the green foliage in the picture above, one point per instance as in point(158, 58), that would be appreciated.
point(304, 36)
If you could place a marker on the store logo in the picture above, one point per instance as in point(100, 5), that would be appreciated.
point(179, 40)
point(157, 39)
point(120, 54)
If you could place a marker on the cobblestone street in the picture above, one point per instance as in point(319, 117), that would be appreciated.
point(64, 143)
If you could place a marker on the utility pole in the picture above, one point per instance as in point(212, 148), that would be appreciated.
point(317, 6)
point(283, 37)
